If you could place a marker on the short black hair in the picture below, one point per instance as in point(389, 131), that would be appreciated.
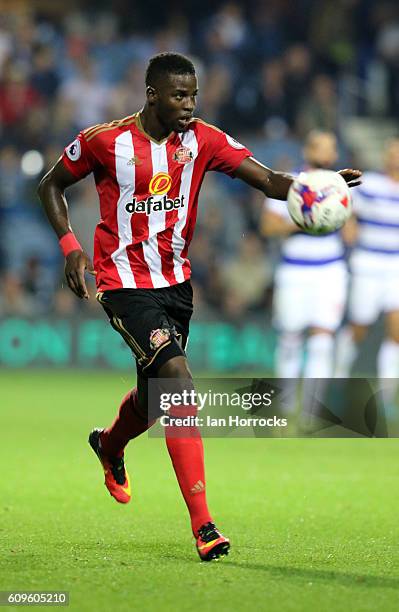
point(167, 63)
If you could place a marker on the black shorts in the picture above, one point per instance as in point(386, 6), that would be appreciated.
point(153, 322)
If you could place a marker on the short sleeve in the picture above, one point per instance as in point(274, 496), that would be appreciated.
point(226, 153)
point(78, 158)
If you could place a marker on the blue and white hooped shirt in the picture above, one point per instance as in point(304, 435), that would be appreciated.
point(301, 249)
point(376, 206)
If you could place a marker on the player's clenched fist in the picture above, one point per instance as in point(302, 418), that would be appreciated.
point(76, 263)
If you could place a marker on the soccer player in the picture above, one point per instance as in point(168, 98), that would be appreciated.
point(148, 170)
point(310, 280)
point(374, 265)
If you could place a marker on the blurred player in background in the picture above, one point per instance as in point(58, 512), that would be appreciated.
point(374, 266)
point(148, 170)
point(310, 281)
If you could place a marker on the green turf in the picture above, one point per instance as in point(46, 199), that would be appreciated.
point(313, 523)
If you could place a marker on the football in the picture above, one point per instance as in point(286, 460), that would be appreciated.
point(319, 201)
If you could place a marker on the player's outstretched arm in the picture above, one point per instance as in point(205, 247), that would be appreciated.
point(51, 193)
point(273, 184)
point(276, 184)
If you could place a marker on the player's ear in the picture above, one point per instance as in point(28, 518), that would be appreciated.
point(151, 94)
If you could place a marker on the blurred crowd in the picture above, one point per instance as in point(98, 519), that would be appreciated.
point(269, 70)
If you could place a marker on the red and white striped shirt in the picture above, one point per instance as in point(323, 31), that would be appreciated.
point(148, 193)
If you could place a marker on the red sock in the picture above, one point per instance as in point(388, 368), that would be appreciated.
point(128, 425)
point(187, 454)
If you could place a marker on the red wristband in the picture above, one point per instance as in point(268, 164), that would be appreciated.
point(69, 243)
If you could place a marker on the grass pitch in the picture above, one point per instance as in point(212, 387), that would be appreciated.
point(313, 523)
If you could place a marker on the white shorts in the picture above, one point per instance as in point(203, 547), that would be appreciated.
point(310, 296)
point(374, 287)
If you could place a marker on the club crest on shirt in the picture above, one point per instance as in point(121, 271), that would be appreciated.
point(73, 151)
point(183, 155)
point(158, 337)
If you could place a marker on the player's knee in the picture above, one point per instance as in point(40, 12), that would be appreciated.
point(393, 335)
point(392, 326)
point(175, 368)
point(359, 332)
point(178, 384)
point(320, 331)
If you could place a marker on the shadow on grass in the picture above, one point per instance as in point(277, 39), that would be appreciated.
point(87, 555)
point(307, 575)
point(316, 575)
